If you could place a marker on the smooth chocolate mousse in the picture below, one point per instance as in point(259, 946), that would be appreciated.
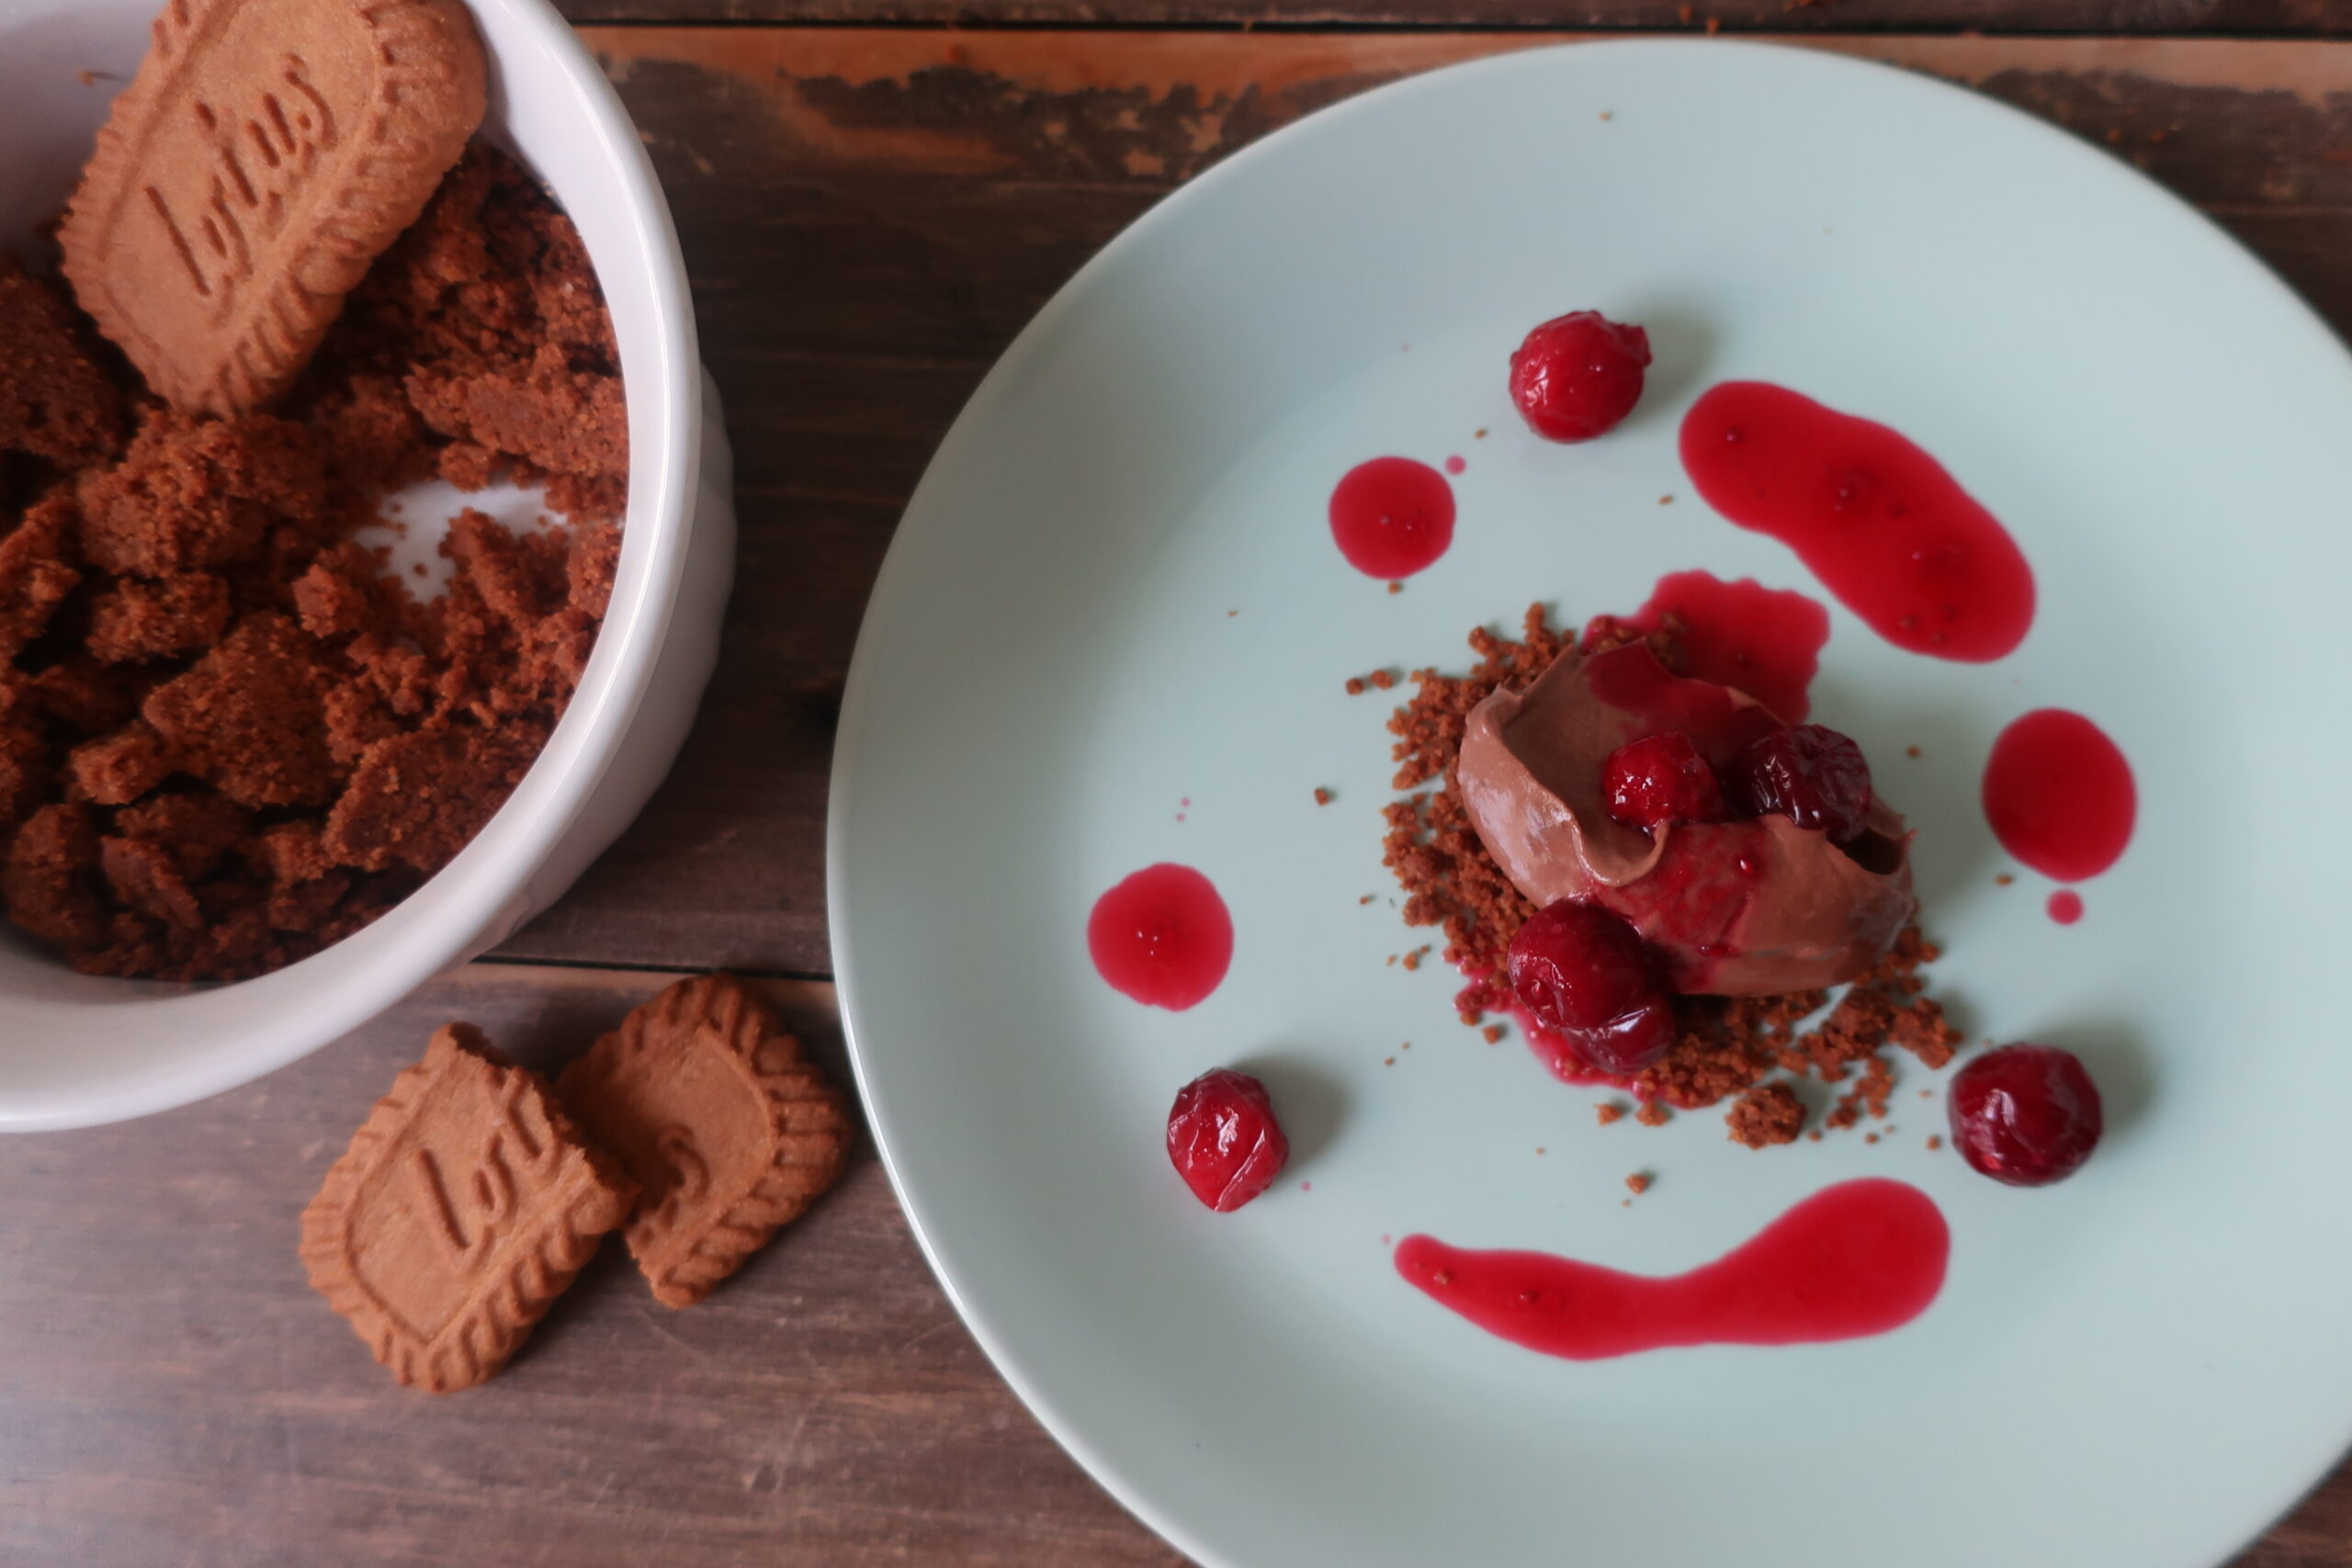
point(1748, 908)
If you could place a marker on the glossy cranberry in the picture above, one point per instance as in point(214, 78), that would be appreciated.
point(1579, 376)
point(1661, 779)
point(1583, 972)
point(2028, 1115)
point(1809, 773)
point(1224, 1140)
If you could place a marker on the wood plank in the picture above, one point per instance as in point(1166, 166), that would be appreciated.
point(870, 214)
point(2233, 17)
point(177, 1393)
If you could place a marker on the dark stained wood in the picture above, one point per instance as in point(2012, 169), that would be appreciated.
point(2236, 17)
point(176, 1394)
point(870, 215)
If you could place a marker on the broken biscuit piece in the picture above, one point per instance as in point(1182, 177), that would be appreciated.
point(731, 1134)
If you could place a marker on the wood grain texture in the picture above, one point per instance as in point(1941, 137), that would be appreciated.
point(870, 215)
point(2236, 17)
point(176, 1394)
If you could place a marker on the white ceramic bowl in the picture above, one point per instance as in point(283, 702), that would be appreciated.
point(75, 1050)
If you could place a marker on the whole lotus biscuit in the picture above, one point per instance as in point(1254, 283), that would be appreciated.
point(465, 1204)
point(267, 151)
point(729, 1132)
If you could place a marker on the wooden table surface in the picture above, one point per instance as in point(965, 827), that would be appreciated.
point(873, 199)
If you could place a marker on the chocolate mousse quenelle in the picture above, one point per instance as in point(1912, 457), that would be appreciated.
point(1675, 837)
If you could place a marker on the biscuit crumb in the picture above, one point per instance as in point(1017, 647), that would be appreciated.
point(1637, 1183)
point(1492, 1033)
point(1653, 1114)
point(1607, 1111)
point(1322, 796)
point(1395, 588)
point(1768, 1114)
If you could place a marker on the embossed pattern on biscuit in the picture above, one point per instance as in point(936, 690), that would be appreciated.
point(729, 1133)
point(465, 1204)
point(264, 154)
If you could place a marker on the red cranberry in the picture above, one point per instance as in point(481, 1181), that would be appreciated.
point(1809, 773)
point(1224, 1140)
point(1661, 779)
point(1584, 973)
point(2028, 1115)
point(1579, 376)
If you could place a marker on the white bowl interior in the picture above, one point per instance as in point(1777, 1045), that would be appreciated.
point(75, 1050)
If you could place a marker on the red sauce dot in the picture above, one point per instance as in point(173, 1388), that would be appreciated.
point(2065, 906)
point(2060, 795)
point(1455, 465)
point(1392, 516)
point(1162, 937)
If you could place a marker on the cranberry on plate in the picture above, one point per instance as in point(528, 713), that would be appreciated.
point(1660, 779)
point(2027, 1115)
point(1579, 376)
point(1809, 773)
point(1224, 1140)
point(1585, 974)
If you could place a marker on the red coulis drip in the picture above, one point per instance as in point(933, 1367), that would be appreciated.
point(1392, 516)
point(2065, 906)
point(1877, 519)
point(1162, 937)
point(2059, 794)
point(1858, 1258)
point(1765, 641)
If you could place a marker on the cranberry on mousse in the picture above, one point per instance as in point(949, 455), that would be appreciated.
point(1790, 875)
point(1584, 974)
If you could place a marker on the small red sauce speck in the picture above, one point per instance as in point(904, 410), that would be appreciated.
point(1765, 641)
point(1162, 937)
point(2059, 794)
point(1455, 465)
point(1392, 516)
point(1876, 518)
point(1858, 1258)
point(2065, 906)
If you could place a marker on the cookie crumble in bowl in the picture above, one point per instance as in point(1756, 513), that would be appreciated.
point(264, 717)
